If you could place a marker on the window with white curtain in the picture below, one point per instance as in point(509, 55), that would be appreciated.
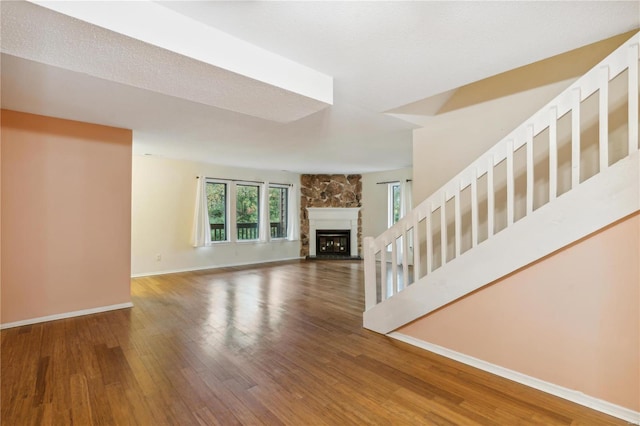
point(235, 211)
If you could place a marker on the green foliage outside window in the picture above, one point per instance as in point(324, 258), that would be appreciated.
point(396, 203)
point(216, 207)
point(247, 211)
point(278, 212)
point(247, 206)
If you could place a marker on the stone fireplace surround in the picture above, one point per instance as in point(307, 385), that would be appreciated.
point(328, 191)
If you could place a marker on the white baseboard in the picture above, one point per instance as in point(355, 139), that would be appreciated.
point(66, 315)
point(568, 394)
point(202, 268)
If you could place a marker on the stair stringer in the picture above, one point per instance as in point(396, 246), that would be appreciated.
point(605, 198)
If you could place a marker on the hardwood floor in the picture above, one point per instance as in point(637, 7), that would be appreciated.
point(275, 344)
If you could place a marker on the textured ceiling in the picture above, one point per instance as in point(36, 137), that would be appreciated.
point(381, 56)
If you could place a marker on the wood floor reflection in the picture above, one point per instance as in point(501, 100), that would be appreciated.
point(273, 344)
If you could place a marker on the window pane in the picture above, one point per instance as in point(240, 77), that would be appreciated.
point(396, 203)
point(278, 212)
point(247, 207)
point(216, 206)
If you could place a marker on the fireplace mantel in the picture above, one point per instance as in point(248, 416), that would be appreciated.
point(337, 218)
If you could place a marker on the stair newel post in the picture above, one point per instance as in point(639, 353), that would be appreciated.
point(634, 54)
point(370, 285)
point(553, 153)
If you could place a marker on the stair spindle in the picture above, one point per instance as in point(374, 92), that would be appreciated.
point(490, 199)
point(429, 240)
point(416, 247)
point(474, 208)
point(510, 182)
point(575, 138)
point(443, 229)
point(553, 153)
point(604, 118)
point(384, 282)
point(530, 168)
point(457, 221)
point(405, 258)
point(633, 54)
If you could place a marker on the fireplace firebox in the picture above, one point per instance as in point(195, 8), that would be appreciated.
point(332, 243)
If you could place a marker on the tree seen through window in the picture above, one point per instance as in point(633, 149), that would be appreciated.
point(217, 209)
point(247, 211)
point(278, 212)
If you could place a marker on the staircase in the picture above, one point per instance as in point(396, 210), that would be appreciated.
point(568, 171)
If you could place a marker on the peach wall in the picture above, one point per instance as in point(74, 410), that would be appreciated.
point(66, 216)
point(572, 319)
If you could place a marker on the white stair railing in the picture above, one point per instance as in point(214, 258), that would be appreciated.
point(421, 228)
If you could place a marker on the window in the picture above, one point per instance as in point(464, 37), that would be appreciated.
point(278, 202)
point(247, 211)
point(217, 210)
point(393, 203)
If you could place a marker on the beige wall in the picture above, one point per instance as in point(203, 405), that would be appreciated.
point(374, 200)
point(164, 192)
point(450, 142)
point(66, 216)
point(572, 319)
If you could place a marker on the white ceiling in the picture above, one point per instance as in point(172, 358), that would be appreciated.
point(381, 55)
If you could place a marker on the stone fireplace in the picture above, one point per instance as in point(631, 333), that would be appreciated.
point(323, 192)
point(335, 229)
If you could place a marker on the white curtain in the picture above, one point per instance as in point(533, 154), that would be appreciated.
point(200, 218)
point(265, 224)
point(293, 214)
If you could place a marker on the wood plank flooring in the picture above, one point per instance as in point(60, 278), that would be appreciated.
point(278, 344)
